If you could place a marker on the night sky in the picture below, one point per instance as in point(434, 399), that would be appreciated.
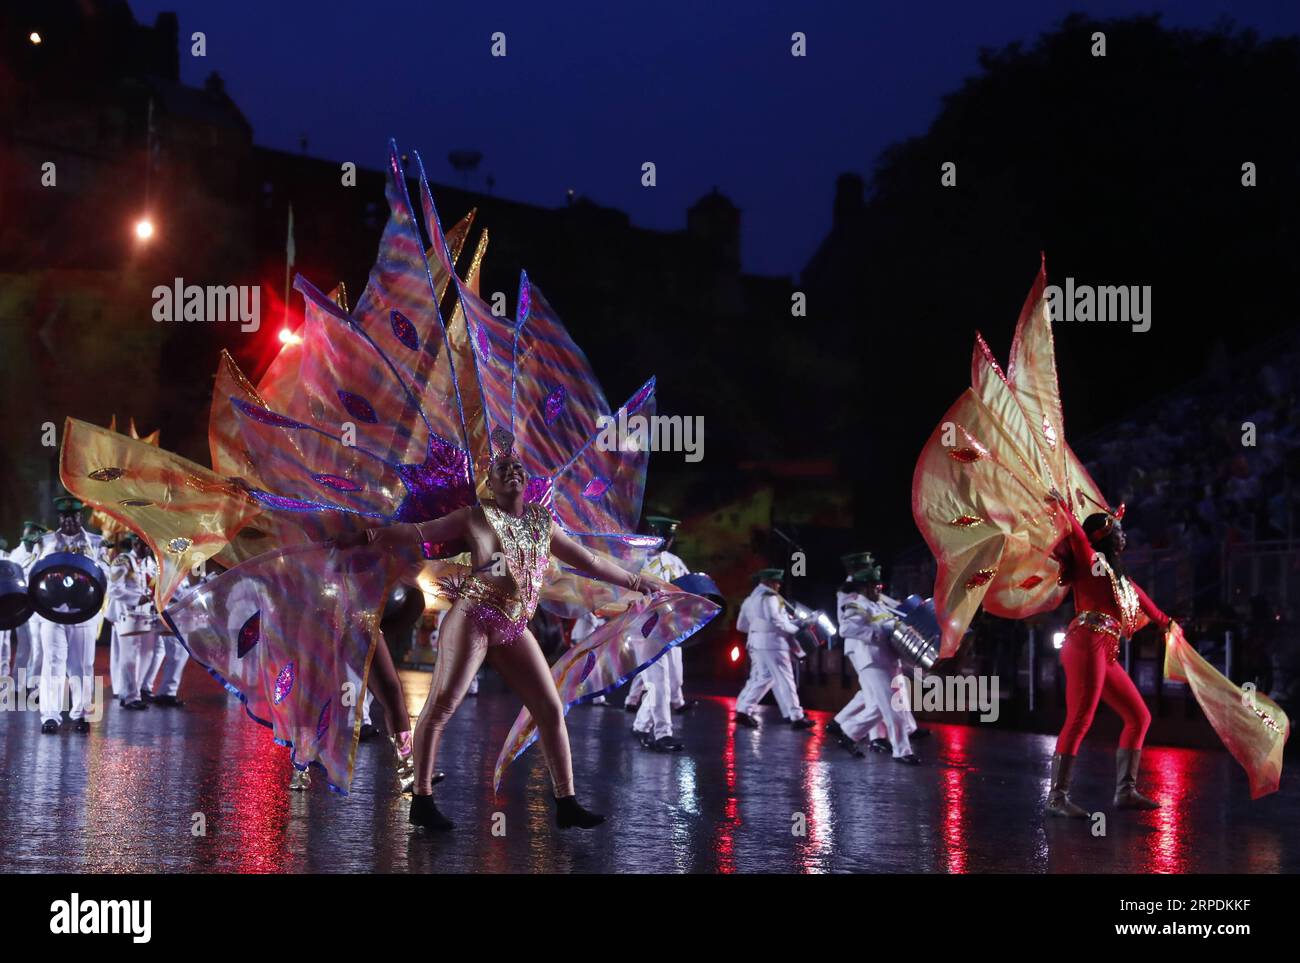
point(589, 91)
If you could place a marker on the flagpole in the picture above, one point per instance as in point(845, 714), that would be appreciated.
point(289, 253)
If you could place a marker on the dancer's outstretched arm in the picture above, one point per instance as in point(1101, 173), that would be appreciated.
point(567, 550)
point(403, 535)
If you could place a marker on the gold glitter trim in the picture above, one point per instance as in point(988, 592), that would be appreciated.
point(966, 521)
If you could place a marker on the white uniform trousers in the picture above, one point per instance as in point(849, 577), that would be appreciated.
point(169, 656)
point(675, 677)
point(655, 715)
point(136, 641)
point(67, 662)
point(872, 706)
point(636, 690)
point(770, 669)
point(27, 650)
point(115, 679)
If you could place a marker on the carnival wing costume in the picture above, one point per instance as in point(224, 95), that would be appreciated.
point(381, 415)
point(979, 497)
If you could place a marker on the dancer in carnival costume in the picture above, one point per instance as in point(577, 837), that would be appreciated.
point(382, 418)
point(998, 495)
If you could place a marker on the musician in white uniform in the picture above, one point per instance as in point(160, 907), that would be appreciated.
point(23, 644)
point(169, 655)
point(583, 626)
point(132, 576)
point(766, 617)
point(662, 679)
point(865, 620)
point(68, 651)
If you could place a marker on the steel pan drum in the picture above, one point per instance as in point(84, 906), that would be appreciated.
point(67, 588)
point(15, 603)
point(697, 583)
point(915, 636)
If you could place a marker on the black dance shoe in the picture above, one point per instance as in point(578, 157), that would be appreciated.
point(804, 723)
point(908, 760)
point(646, 739)
point(136, 704)
point(745, 719)
point(425, 813)
point(631, 706)
point(49, 728)
point(687, 706)
point(880, 745)
point(568, 813)
point(146, 693)
point(665, 744)
point(81, 725)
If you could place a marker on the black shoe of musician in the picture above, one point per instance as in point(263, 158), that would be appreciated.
point(171, 702)
point(146, 693)
point(666, 744)
point(921, 734)
point(569, 814)
point(81, 726)
point(802, 723)
point(49, 727)
point(687, 706)
point(631, 706)
point(908, 760)
point(745, 719)
point(646, 739)
point(136, 704)
point(880, 745)
point(425, 813)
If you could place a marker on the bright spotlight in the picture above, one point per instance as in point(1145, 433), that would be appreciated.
point(288, 337)
point(35, 38)
point(1058, 639)
point(144, 229)
point(735, 653)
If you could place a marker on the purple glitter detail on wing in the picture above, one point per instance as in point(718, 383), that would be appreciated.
point(323, 723)
point(525, 301)
point(539, 490)
point(555, 403)
point(587, 666)
point(404, 330)
point(595, 487)
point(286, 504)
point(264, 416)
point(648, 625)
point(250, 633)
point(337, 483)
point(358, 407)
point(284, 683)
point(484, 345)
point(436, 488)
point(639, 398)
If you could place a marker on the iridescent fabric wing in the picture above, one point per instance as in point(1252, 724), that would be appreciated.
point(108, 526)
point(570, 594)
point(1031, 372)
point(184, 512)
point(339, 460)
point(972, 498)
point(292, 633)
point(1252, 726)
point(399, 310)
point(599, 490)
point(610, 656)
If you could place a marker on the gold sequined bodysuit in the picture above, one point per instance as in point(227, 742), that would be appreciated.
point(526, 548)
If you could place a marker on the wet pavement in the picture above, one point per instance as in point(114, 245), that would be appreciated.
point(204, 789)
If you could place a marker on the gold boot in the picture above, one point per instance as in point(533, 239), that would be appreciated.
point(300, 781)
point(405, 761)
point(1058, 798)
point(1127, 796)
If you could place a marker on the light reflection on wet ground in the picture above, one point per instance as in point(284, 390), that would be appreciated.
point(204, 789)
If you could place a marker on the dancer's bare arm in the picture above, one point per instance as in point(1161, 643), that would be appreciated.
point(570, 552)
point(403, 535)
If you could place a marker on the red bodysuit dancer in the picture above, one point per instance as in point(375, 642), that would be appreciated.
point(1109, 607)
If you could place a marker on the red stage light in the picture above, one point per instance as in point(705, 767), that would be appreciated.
point(735, 653)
